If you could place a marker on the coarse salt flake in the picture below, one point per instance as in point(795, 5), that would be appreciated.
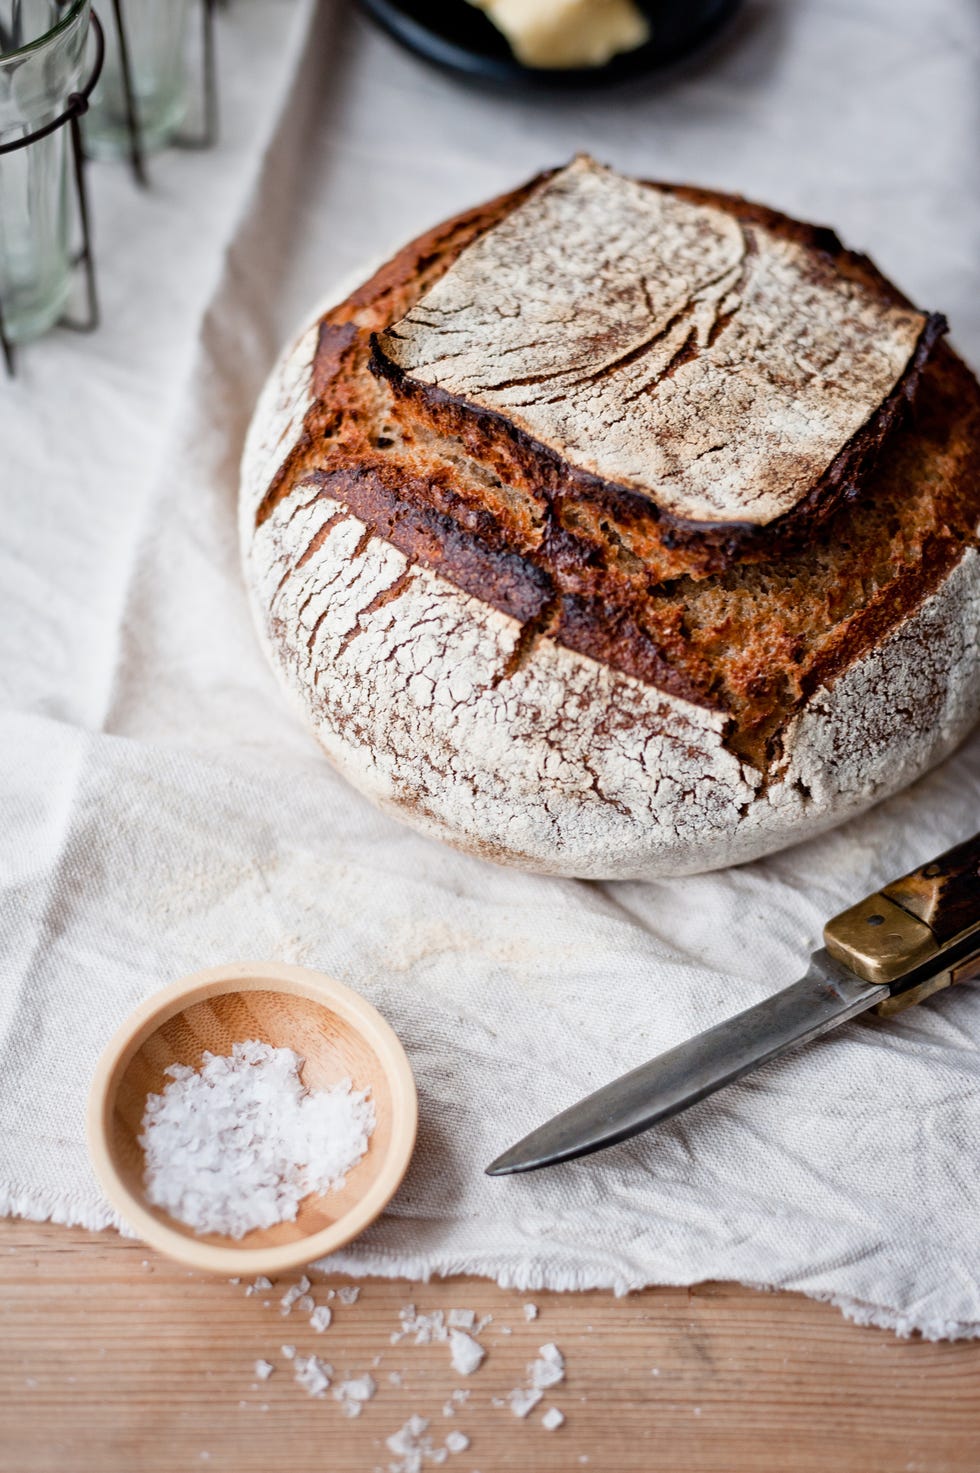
point(548, 1369)
point(521, 1400)
point(312, 1374)
point(354, 1392)
point(238, 1144)
point(263, 1369)
point(457, 1442)
point(553, 1419)
point(530, 1312)
point(321, 1317)
point(465, 1352)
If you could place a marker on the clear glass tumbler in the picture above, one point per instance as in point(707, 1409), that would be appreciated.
point(156, 34)
point(42, 50)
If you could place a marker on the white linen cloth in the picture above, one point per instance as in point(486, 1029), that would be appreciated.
point(163, 810)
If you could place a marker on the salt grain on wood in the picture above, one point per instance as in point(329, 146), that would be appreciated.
point(548, 1369)
point(465, 1353)
point(553, 1419)
point(320, 1318)
point(238, 1144)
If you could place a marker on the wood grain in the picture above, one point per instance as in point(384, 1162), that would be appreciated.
point(115, 1361)
point(945, 892)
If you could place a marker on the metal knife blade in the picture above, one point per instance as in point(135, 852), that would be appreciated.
point(829, 994)
point(907, 941)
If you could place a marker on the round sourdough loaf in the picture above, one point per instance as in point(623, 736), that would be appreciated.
point(621, 530)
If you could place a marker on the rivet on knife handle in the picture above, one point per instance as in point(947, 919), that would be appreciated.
point(920, 920)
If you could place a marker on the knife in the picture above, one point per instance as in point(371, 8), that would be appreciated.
point(905, 942)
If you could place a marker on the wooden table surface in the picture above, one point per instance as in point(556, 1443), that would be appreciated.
point(113, 1360)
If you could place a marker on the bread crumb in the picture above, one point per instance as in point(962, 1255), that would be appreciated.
point(553, 1419)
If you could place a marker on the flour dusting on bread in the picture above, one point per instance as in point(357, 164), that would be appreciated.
point(713, 365)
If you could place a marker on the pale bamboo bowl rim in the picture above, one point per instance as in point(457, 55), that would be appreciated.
point(354, 1010)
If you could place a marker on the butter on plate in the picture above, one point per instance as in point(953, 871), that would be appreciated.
point(567, 33)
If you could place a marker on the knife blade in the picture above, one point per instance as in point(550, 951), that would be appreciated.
point(912, 938)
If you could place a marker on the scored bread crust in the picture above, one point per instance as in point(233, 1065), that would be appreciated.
point(557, 754)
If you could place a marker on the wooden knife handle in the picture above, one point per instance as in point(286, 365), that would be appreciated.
point(945, 893)
point(923, 925)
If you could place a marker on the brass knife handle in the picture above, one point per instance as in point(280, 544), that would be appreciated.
point(923, 923)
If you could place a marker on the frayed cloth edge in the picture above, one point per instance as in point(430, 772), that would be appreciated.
point(520, 1274)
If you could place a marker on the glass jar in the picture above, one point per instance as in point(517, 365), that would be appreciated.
point(156, 40)
point(42, 51)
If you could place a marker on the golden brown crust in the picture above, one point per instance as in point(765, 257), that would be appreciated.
point(748, 625)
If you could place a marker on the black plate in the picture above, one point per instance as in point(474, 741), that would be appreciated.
point(456, 35)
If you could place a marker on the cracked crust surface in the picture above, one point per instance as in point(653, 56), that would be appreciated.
point(715, 366)
point(473, 657)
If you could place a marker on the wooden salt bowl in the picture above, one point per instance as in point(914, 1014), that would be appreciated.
point(337, 1033)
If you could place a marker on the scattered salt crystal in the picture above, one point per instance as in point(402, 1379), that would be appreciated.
point(258, 1286)
point(457, 1397)
point(306, 1303)
point(330, 1293)
point(462, 1319)
point(465, 1353)
point(264, 1369)
point(438, 1455)
point(548, 1369)
point(320, 1318)
point(239, 1143)
point(482, 1323)
point(289, 1351)
point(295, 1294)
point(530, 1312)
point(395, 1377)
point(312, 1374)
point(457, 1442)
point(349, 1294)
point(353, 1393)
point(427, 1328)
point(506, 1330)
point(236, 1280)
point(522, 1401)
point(410, 1445)
point(553, 1419)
